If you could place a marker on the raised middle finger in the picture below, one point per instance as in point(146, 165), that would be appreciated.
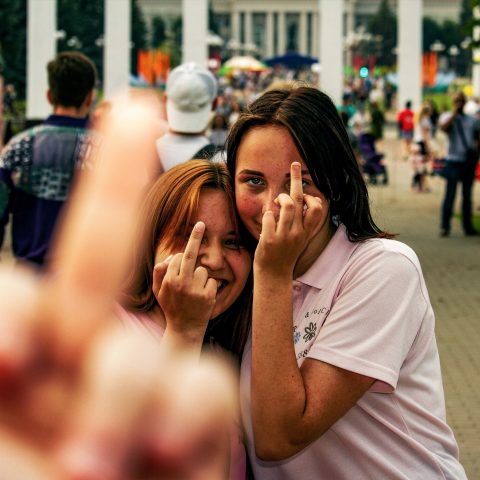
point(190, 254)
point(296, 189)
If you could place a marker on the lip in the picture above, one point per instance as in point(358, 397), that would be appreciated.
point(222, 283)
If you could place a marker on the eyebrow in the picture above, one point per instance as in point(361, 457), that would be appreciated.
point(260, 174)
point(231, 232)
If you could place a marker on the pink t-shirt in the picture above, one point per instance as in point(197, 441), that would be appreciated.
point(364, 307)
point(142, 322)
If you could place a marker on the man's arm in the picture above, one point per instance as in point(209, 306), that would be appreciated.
point(6, 188)
point(447, 123)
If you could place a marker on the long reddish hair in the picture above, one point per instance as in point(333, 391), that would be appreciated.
point(167, 212)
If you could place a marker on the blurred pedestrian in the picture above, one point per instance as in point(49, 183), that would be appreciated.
point(37, 167)
point(406, 124)
point(190, 93)
point(421, 149)
point(218, 130)
point(377, 121)
point(434, 115)
point(461, 161)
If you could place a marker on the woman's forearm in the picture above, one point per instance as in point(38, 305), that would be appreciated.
point(278, 392)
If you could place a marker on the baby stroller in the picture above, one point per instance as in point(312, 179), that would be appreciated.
point(373, 160)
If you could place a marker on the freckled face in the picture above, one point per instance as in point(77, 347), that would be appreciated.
point(262, 172)
point(220, 253)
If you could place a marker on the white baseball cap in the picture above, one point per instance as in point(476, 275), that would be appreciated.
point(190, 91)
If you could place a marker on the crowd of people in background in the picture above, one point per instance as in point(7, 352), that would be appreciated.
point(252, 240)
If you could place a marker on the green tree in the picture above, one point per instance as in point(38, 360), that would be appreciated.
point(139, 35)
point(384, 25)
point(13, 42)
point(212, 20)
point(431, 32)
point(83, 24)
point(158, 32)
point(466, 16)
point(176, 42)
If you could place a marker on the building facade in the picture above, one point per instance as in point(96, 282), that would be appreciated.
point(272, 27)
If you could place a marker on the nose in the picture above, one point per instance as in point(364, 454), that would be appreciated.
point(211, 257)
point(269, 204)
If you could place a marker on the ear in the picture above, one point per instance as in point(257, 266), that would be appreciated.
point(89, 99)
point(50, 97)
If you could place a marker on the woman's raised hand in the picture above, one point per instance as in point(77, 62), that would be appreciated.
point(283, 240)
point(184, 291)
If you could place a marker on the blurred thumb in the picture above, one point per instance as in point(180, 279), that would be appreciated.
point(159, 273)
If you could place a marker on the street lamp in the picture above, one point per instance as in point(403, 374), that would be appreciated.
point(74, 42)
point(453, 51)
point(466, 42)
point(437, 46)
point(60, 35)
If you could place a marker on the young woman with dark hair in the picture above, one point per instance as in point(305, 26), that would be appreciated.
point(357, 392)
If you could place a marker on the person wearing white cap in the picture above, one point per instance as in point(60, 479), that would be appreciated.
point(190, 92)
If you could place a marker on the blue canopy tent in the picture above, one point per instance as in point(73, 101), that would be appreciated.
point(291, 60)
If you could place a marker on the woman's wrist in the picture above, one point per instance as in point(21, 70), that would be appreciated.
point(190, 340)
point(278, 272)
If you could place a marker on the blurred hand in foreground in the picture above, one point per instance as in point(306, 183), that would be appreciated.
point(80, 397)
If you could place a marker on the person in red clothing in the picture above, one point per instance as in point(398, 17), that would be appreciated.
point(406, 124)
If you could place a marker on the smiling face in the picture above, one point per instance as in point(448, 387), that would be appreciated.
point(262, 172)
point(220, 252)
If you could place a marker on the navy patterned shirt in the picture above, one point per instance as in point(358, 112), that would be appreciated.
point(36, 171)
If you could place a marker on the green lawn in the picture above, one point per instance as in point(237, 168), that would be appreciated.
point(476, 220)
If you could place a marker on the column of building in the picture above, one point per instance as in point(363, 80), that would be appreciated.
point(195, 30)
point(302, 30)
point(247, 18)
point(41, 44)
point(41, 48)
point(350, 30)
point(410, 52)
point(269, 35)
point(116, 50)
point(331, 48)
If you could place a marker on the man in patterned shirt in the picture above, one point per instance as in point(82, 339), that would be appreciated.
point(37, 166)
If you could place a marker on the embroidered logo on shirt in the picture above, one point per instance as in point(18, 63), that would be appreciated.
point(305, 333)
point(296, 335)
point(310, 331)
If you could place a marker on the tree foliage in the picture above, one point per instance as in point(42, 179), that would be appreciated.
point(384, 25)
point(159, 33)
point(85, 21)
point(83, 24)
point(139, 34)
point(13, 42)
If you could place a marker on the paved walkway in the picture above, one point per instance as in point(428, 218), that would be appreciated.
point(451, 268)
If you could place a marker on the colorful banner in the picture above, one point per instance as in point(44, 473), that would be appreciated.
point(430, 68)
point(153, 66)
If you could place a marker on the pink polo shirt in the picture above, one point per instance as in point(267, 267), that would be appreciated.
point(364, 307)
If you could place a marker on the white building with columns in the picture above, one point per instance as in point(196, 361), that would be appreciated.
point(314, 27)
point(276, 26)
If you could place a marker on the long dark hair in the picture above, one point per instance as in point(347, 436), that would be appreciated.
point(166, 214)
point(321, 139)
